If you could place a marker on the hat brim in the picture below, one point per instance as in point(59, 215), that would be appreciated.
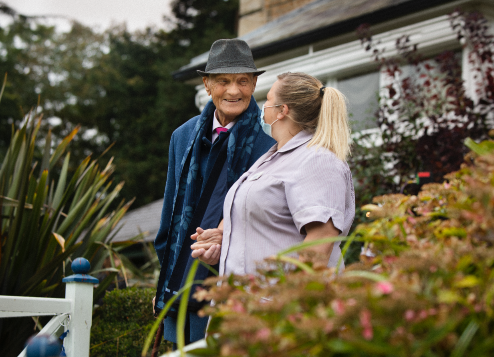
point(230, 70)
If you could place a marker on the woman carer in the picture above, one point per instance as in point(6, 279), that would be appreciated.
point(300, 190)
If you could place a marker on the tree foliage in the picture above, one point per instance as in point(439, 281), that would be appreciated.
point(116, 85)
point(95, 90)
point(201, 22)
point(24, 69)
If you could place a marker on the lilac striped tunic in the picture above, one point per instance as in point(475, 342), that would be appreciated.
point(266, 209)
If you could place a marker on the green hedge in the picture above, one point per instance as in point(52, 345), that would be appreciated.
point(122, 323)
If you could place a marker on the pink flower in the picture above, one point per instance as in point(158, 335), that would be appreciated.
point(367, 333)
point(263, 334)
point(238, 307)
point(365, 321)
point(338, 307)
point(423, 314)
point(390, 259)
point(365, 318)
point(295, 317)
point(328, 327)
point(447, 185)
point(409, 315)
point(384, 287)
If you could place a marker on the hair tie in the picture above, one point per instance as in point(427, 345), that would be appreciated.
point(321, 91)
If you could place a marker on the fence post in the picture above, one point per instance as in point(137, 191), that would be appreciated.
point(43, 346)
point(79, 290)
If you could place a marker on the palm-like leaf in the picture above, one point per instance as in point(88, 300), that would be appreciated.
point(45, 222)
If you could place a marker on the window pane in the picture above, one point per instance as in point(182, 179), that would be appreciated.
point(361, 93)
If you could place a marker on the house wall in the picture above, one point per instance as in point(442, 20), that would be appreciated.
point(340, 59)
point(350, 59)
point(255, 13)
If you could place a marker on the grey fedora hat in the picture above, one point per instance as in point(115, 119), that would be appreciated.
point(230, 56)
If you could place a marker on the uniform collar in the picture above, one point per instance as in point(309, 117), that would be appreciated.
point(299, 139)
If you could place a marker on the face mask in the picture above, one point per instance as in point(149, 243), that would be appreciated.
point(265, 126)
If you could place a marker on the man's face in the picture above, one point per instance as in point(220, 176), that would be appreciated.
point(231, 93)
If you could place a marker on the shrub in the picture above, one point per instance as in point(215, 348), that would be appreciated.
point(122, 323)
point(427, 291)
point(424, 113)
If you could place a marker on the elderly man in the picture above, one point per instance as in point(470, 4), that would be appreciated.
point(207, 155)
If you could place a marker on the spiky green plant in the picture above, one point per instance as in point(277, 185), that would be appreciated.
point(50, 214)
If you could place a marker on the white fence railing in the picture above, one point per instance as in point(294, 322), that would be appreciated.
point(187, 349)
point(72, 314)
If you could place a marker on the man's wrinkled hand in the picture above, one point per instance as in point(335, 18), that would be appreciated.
point(206, 238)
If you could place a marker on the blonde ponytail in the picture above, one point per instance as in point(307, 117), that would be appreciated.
point(333, 131)
point(321, 111)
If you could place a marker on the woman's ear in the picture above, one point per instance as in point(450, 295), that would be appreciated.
point(283, 112)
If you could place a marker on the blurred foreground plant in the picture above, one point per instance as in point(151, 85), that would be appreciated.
point(49, 216)
point(428, 289)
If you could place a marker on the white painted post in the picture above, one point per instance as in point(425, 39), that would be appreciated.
point(79, 290)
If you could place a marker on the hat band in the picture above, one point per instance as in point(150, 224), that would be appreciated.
point(216, 66)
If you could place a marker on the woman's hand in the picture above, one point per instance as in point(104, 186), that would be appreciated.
point(208, 245)
point(210, 256)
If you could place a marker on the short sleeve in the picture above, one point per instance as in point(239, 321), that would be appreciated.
point(317, 191)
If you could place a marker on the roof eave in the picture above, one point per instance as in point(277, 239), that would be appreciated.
point(319, 34)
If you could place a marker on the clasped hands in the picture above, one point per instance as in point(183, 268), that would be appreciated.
point(208, 245)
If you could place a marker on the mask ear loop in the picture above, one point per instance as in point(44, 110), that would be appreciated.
point(283, 111)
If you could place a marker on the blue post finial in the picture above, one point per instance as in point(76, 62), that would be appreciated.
point(81, 267)
point(43, 346)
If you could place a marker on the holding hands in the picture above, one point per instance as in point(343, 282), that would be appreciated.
point(208, 244)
